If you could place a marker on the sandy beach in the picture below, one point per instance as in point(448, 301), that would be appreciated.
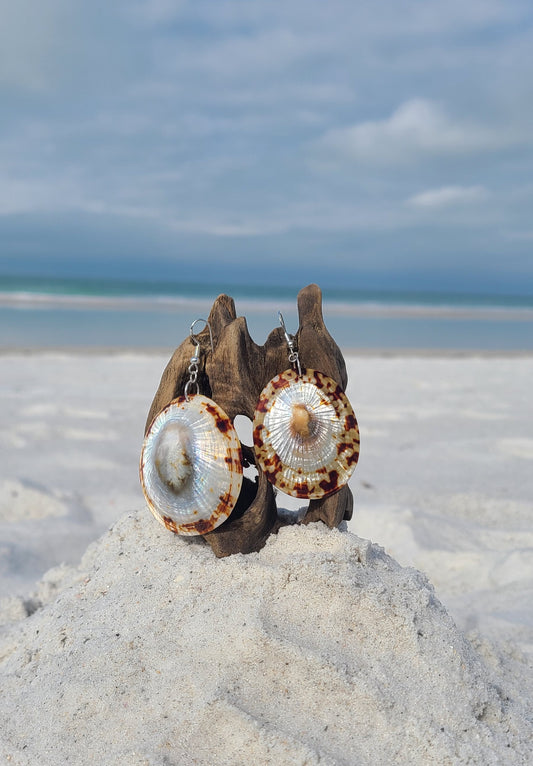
point(343, 189)
point(336, 651)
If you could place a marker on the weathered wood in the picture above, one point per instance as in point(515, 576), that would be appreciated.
point(233, 374)
point(318, 351)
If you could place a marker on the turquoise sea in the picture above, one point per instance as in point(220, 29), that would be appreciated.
point(58, 313)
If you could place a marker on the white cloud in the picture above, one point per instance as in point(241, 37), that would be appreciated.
point(36, 195)
point(418, 128)
point(59, 47)
point(197, 118)
point(29, 38)
point(447, 196)
point(521, 235)
point(156, 11)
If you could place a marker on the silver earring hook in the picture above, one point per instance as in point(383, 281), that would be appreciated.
point(288, 338)
point(195, 340)
point(195, 359)
point(293, 353)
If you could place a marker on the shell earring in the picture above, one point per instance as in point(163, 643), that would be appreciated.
point(191, 461)
point(306, 437)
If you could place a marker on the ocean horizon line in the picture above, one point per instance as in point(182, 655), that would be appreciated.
point(112, 293)
point(367, 307)
point(53, 313)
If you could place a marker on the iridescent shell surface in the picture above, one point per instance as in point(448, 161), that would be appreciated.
point(191, 466)
point(306, 436)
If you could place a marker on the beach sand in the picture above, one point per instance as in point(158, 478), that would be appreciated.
point(319, 649)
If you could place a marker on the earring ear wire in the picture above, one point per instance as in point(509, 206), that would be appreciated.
point(294, 359)
point(193, 337)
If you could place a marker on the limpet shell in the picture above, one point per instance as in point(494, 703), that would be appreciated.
point(306, 436)
point(191, 466)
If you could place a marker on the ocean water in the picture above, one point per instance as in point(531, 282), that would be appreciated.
point(61, 313)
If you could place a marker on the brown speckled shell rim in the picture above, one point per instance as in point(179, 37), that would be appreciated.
point(327, 478)
point(231, 458)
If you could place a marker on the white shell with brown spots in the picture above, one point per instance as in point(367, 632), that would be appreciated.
point(191, 466)
point(306, 437)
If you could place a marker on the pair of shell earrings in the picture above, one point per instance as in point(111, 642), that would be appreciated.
point(306, 440)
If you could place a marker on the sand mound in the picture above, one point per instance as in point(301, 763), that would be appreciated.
point(320, 649)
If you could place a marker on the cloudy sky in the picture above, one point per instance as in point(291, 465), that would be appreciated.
point(367, 144)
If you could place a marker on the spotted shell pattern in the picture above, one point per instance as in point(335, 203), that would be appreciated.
point(306, 436)
point(191, 466)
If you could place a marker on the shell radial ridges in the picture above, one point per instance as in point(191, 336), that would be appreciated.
point(191, 466)
point(306, 436)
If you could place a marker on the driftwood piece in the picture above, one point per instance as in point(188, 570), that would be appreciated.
point(233, 374)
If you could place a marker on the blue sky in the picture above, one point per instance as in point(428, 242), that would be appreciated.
point(383, 144)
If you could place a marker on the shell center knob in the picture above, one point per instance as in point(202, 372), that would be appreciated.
point(301, 421)
point(173, 456)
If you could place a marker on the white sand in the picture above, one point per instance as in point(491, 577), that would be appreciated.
point(444, 483)
point(318, 650)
